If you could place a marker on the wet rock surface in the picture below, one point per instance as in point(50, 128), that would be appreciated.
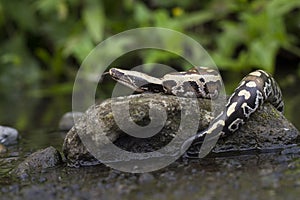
point(266, 130)
point(42, 159)
point(261, 176)
point(8, 135)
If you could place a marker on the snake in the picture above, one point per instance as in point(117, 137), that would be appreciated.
point(254, 89)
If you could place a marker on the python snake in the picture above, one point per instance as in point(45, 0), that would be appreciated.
point(254, 89)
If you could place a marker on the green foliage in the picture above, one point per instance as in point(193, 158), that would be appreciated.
point(260, 31)
point(43, 42)
point(239, 34)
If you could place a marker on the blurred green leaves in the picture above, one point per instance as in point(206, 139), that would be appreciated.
point(239, 34)
point(259, 32)
point(93, 16)
point(43, 42)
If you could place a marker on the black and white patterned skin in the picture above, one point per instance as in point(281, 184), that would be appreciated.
point(255, 89)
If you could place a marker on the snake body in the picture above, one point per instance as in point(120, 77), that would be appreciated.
point(202, 82)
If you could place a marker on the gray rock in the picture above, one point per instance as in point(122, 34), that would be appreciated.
point(266, 129)
point(34, 163)
point(8, 135)
point(67, 120)
point(146, 178)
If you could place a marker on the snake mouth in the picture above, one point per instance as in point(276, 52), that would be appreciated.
point(122, 77)
point(137, 81)
point(118, 75)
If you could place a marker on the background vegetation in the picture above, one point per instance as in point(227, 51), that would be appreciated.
point(43, 43)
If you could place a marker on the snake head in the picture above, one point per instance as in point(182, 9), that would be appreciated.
point(137, 81)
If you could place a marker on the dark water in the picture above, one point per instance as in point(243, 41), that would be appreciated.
point(263, 176)
point(258, 176)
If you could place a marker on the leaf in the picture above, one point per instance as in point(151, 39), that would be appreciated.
point(141, 14)
point(232, 36)
point(21, 13)
point(262, 53)
point(194, 19)
point(93, 16)
point(57, 89)
point(282, 7)
point(46, 6)
point(154, 56)
point(80, 45)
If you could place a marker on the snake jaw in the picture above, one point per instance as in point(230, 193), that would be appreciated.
point(137, 81)
point(121, 77)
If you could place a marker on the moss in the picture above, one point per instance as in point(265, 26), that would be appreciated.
point(266, 128)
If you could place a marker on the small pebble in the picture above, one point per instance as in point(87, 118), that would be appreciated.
point(42, 179)
point(146, 178)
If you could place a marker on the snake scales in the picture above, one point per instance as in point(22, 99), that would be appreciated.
point(254, 89)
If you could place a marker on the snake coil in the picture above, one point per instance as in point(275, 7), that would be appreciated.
point(254, 89)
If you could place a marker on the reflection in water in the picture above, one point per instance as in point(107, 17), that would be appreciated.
point(257, 176)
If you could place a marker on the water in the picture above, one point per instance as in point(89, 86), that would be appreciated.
point(263, 176)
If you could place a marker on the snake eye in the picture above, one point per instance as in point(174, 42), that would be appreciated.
point(202, 80)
